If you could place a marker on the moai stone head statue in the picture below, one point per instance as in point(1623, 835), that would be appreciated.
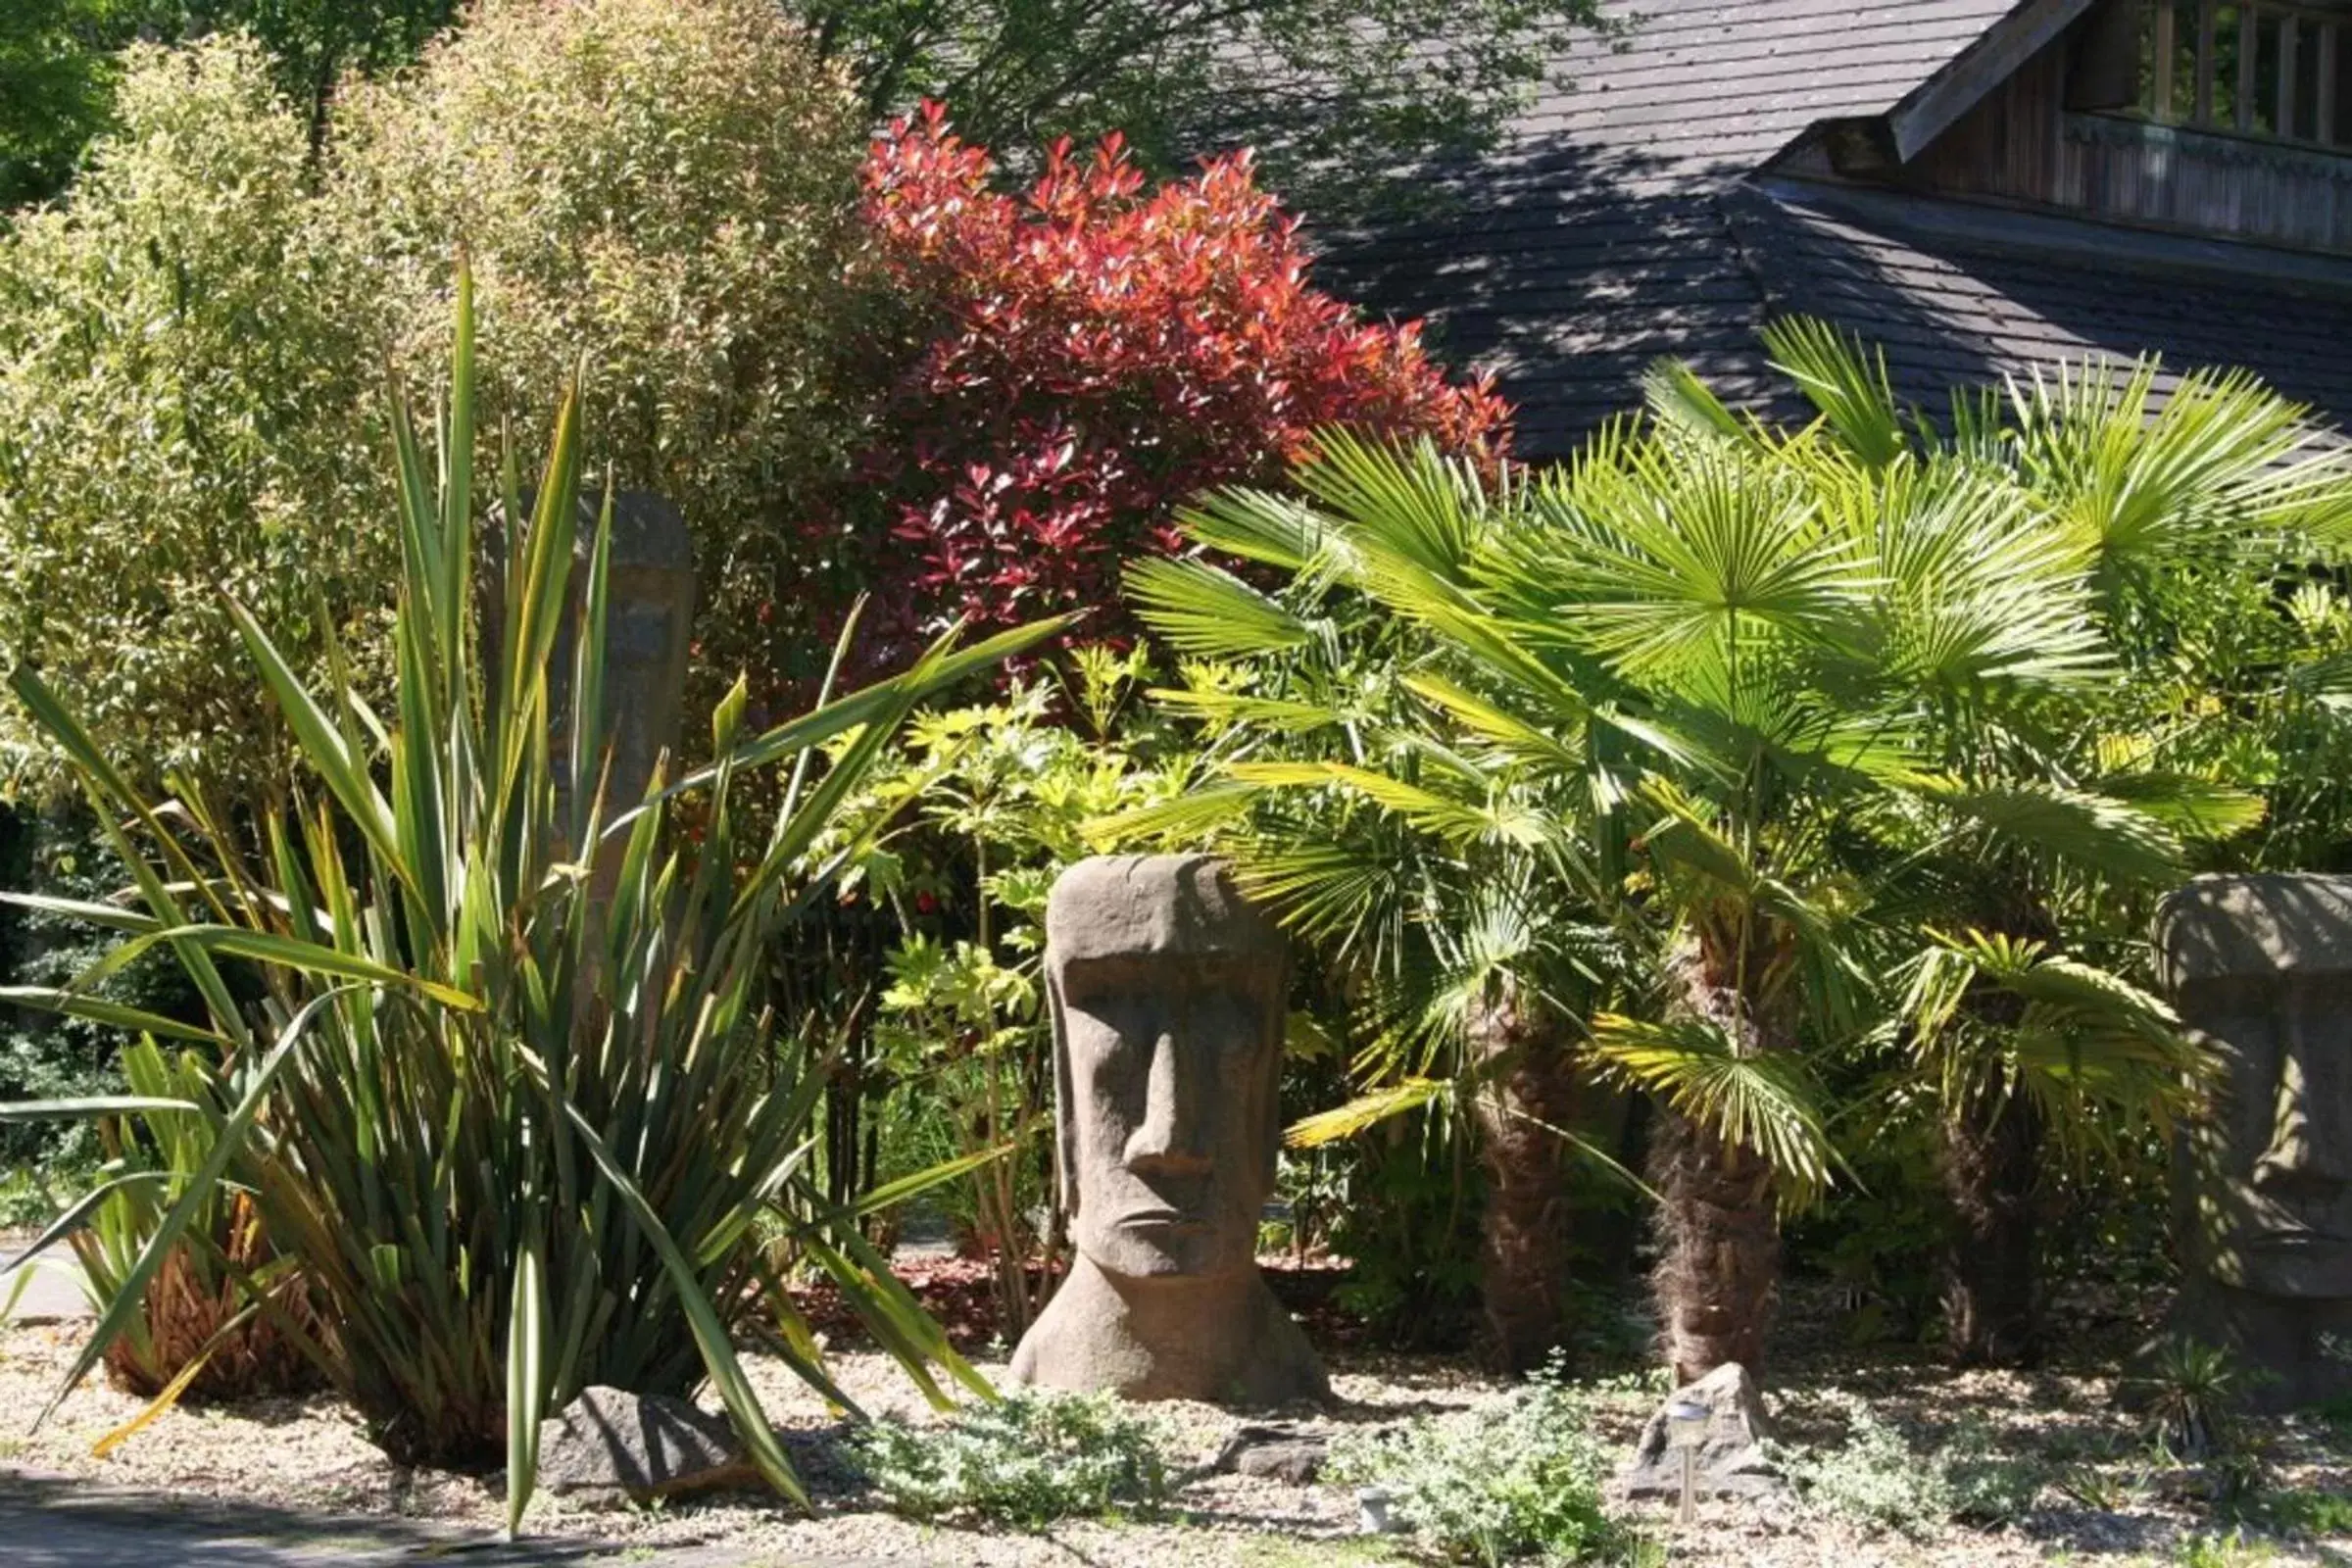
point(2260, 968)
point(1166, 992)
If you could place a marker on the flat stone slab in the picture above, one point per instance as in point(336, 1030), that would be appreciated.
point(1280, 1452)
point(614, 1444)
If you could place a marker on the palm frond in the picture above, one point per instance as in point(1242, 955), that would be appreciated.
point(2193, 808)
point(1846, 381)
point(2093, 831)
point(1762, 1102)
point(1207, 610)
point(1365, 1111)
point(1678, 399)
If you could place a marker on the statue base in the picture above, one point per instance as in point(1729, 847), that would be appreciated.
point(1220, 1338)
point(2298, 1349)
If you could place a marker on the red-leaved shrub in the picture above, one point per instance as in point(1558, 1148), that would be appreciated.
point(1091, 355)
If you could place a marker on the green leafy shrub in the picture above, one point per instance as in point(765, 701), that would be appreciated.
point(1877, 1479)
point(180, 391)
point(1029, 1459)
point(667, 186)
point(1519, 1476)
point(1007, 788)
point(189, 400)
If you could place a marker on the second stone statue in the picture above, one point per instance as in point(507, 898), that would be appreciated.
point(1166, 991)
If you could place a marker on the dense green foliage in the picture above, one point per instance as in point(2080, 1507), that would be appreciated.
point(53, 91)
point(666, 189)
point(59, 62)
point(1028, 1458)
point(179, 370)
point(1518, 1476)
point(523, 1109)
point(190, 398)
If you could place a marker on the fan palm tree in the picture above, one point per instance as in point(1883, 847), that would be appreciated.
point(1580, 711)
point(1777, 704)
point(2092, 780)
point(1466, 945)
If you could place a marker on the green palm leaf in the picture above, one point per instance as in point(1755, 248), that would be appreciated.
point(1764, 1103)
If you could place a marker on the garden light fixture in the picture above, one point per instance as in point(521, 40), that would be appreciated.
point(1687, 1422)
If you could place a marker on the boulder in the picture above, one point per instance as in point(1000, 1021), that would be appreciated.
point(641, 1446)
point(1731, 1461)
point(1273, 1453)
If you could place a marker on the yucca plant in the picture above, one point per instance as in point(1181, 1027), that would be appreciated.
point(508, 1100)
point(196, 1331)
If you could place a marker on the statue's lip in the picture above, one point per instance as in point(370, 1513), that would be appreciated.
point(1157, 1219)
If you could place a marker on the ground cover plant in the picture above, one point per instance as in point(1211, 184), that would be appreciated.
point(1519, 1476)
point(1029, 1457)
point(508, 1102)
point(1876, 1477)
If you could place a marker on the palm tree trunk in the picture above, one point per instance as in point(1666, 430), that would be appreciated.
point(1527, 1088)
point(1719, 1253)
point(1992, 1157)
point(1719, 1224)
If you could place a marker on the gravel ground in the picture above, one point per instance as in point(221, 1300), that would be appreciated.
point(2104, 1500)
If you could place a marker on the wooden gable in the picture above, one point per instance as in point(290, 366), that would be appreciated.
point(2245, 133)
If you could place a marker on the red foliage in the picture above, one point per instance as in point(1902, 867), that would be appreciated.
point(1095, 353)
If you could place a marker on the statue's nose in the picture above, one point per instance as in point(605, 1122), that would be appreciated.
point(2311, 1142)
point(1169, 1138)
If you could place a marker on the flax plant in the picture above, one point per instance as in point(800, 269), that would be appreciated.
point(508, 1096)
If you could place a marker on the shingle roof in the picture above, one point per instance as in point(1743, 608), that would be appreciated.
point(1723, 84)
point(1624, 220)
point(1972, 301)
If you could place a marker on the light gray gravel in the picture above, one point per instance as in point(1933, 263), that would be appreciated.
point(309, 1454)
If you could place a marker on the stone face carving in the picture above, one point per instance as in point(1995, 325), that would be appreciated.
point(1166, 996)
point(2260, 968)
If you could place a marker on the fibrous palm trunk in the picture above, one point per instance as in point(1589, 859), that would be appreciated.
point(1992, 1157)
point(1527, 1093)
point(1719, 1254)
point(1719, 1229)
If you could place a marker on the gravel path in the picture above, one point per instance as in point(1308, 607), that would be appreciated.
point(2105, 1502)
point(51, 1285)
